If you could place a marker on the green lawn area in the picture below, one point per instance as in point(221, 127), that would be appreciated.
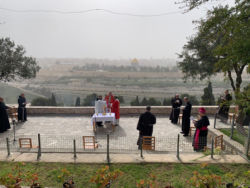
point(11, 94)
point(176, 174)
point(236, 136)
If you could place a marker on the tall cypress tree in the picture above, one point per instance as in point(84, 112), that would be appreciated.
point(144, 102)
point(78, 102)
point(135, 102)
point(164, 103)
point(53, 101)
point(208, 97)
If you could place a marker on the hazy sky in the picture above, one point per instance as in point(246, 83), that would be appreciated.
point(99, 34)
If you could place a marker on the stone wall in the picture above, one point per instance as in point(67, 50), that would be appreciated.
point(123, 110)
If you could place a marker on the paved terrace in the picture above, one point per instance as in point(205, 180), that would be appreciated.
point(58, 131)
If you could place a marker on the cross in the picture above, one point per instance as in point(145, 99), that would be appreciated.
point(104, 110)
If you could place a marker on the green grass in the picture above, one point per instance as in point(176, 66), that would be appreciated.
point(11, 94)
point(236, 136)
point(176, 174)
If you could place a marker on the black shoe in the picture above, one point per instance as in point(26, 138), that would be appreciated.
point(116, 125)
point(182, 132)
point(100, 125)
point(185, 135)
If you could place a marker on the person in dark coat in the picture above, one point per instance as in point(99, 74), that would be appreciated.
point(4, 119)
point(200, 136)
point(145, 124)
point(22, 114)
point(225, 105)
point(176, 104)
point(186, 117)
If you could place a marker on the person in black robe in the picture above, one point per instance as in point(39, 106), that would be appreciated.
point(4, 119)
point(99, 124)
point(145, 124)
point(186, 117)
point(22, 114)
point(176, 104)
point(225, 105)
point(200, 136)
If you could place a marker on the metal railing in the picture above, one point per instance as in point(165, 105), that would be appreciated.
point(238, 134)
point(108, 144)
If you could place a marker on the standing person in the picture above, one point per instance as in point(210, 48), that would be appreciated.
point(145, 124)
point(176, 104)
point(22, 114)
point(225, 105)
point(116, 110)
point(110, 100)
point(185, 117)
point(200, 136)
point(4, 120)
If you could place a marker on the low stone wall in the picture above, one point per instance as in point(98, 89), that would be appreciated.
point(123, 110)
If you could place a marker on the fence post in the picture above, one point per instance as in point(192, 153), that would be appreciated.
point(74, 142)
point(141, 140)
point(212, 149)
point(39, 147)
point(178, 146)
point(215, 119)
point(108, 148)
point(232, 128)
point(8, 146)
point(248, 139)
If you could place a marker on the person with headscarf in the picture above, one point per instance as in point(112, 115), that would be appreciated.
point(4, 119)
point(22, 114)
point(200, 136)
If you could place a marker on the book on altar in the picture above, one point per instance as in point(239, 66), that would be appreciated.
point(98, 106)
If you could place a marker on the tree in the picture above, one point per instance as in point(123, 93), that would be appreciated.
point(153, 102)
point(13, 62)
point(89, 100)
point(40, 101)
point(121, 99)
point(144, 102)
point(166, 102)
point(174, 69)
point(191, 98)
point(53, 100)
point(192, 4)
point(208, 97)
point(78, 102)
point(135, 102)
point(221, 44)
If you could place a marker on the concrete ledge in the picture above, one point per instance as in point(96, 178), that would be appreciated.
point(121, 158)
point(123, 110)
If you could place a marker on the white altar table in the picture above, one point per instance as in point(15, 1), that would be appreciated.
point(99, 118)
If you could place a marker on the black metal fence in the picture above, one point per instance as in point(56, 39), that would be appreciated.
point(178, 145)
point(239, 134)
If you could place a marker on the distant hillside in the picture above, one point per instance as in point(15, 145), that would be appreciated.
point(10, 94)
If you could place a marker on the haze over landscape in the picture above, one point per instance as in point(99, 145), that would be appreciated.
point(81, 53)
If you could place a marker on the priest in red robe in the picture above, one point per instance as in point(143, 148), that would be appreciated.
point(116, 110)
point(110, 99)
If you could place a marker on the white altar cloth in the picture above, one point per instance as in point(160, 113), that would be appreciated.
point(100, 118)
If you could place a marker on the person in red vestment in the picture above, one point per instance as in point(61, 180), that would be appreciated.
point(110, 100)
point(116, 110)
